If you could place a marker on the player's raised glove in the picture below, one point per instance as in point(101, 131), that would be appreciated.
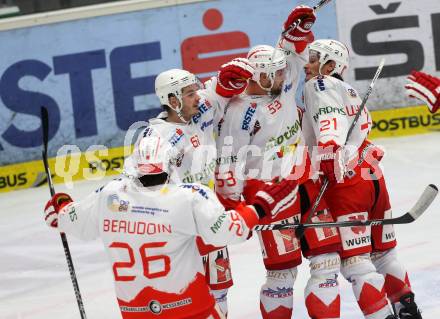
point(233, 77)
point(424, 87)
point(331, 162)
point(275, 197)
point(300, 35)
point(53, 207)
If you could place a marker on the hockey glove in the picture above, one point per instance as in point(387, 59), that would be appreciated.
point(53, 207)
point(331, 163)
point(424, 87)
point(232, 78)
point(273, 198)
point(300, 35)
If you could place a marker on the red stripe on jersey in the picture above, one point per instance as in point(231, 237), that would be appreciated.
point(194, 302)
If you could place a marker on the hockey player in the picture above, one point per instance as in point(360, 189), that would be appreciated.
point(357, 188)
point(259, 133)
point(187, 122)
point(426, 88)
point(149, 229)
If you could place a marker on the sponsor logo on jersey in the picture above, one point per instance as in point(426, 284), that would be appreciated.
point(288, 87)
point(196, 189)
point(358, 229)
point(115, 204)
point(147, 132)
point(328, 110)
point(99, 189)
point(328, 283)
point(319, 84)
point(284, 150)
point(351, 110)
point(257, 127)
point(227, 160)
point(281, 292)
point(284, 138)
point(206, 125)
point(358, 241)
point(147, 210)
point(352, 93)
point(248, 116)
point(177, 161)
point(72, 213)
point(390, 236)
point(219, 126)
point(203, 108)
point(177, 136)
point(216, 226)
point(156, 307)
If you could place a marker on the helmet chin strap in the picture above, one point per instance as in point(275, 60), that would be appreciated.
point(272, 82)
point(179, 111)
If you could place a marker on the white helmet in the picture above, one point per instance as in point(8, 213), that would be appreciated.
point(331, 50)
point(152, 155)
point(172, 82)
point(266, 59)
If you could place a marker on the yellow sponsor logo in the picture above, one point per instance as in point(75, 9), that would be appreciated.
point(404, 121)
point(64, 169)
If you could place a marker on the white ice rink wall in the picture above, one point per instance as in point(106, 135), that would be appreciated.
point(94, 67)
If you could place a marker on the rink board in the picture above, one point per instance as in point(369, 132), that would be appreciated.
point(94, 165)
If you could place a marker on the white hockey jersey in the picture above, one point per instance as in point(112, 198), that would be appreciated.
point(258, 135)
point(330, 108)
point(194, 141)
point(150, 237)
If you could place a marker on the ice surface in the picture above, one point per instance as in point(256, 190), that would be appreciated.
point(35, 283)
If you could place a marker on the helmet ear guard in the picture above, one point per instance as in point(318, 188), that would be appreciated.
point(331, 50)
point(268, 60)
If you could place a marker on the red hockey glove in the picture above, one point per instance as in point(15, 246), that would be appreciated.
point(251, 188)
point(232, 78)
point(228, 203)
point(331, 163)
point(424, 87)
point(301, 34)
point(273, 198)
point(53, 207)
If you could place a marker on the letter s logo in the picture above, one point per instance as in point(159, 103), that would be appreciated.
point(411, 48)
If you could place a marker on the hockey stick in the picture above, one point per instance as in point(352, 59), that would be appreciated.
point(298, 21)
point(414, 213)
point(45, 126)
point(300, 231)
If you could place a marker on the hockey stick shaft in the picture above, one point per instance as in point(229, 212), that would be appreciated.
point(318, 6)
point(418, 209)
point(350, 130)
point(45, 126)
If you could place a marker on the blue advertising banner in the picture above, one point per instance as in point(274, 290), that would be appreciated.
point(96, 75)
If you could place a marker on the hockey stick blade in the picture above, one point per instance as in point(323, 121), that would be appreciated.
point(415, 212)
point(424, 201)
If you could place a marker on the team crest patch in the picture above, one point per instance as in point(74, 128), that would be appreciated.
point(352, 93)
point(115, 204)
